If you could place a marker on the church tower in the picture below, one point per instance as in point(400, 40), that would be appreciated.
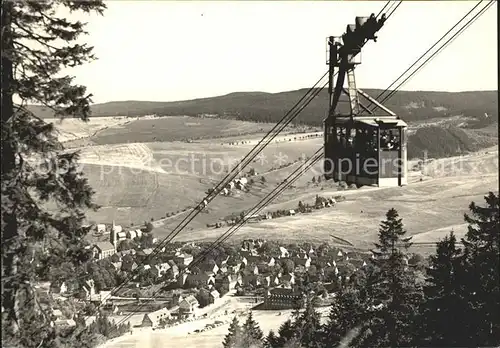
point(113, 235)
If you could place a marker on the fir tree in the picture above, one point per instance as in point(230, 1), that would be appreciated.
point(286, 332)
point(482, 265)
point(233, 338)
point(252, 334)
point(443, 310)
point(395, 295)
point(308, 325)
point(36, 45)
point(346, 313)
point(271, 341)
point(293, 343)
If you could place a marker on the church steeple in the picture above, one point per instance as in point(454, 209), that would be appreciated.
point(113, 235)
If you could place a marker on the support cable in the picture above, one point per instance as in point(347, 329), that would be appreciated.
point(421, 57)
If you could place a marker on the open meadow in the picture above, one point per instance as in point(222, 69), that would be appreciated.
point(137, 182)
point(141, 173)
point(140, 182)
point(430, 208)
point(177, 128)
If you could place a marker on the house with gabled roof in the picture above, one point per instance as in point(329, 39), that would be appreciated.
point(131, 234)
point(305, 262)
point(161, 268)
point(209, 268)
point(64, 322)
point(145, 252)
point(357, 263)
point(117, 265)
point(196, 280)
point(153, 319)
point(271, 280)
point(172, 272)
point(214, 295)
point(121, 236)
point(129, 266)
point(188, 307)
point(251, 259)
point(225, 280)
point(250, 280)
point(103, 250)
point(223, 268)
point(284, 252)
point(263, 268)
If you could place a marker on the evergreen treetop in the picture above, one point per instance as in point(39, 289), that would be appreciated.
point(252, 334)
point(233, 338)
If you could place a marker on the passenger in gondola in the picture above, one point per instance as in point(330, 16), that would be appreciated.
point(391, 141)
point(350, 141)
point(384, 140)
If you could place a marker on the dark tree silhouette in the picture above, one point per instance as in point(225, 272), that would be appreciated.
point(394, 293)
point(36, 44)
point(482, 264)
point(251, 333)
point(233, 338)
point(444, 306)
point(308, 324)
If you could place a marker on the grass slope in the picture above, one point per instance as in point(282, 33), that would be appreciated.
point(430, 209)
point(175, 129)
point(137, 182)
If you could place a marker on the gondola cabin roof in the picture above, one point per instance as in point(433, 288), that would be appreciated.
point(372, 121)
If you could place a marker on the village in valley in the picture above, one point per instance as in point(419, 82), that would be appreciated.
point(184, 281)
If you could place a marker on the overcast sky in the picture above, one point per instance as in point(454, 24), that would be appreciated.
point(166, 51)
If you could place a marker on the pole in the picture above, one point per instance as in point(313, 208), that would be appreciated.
point(332, 61)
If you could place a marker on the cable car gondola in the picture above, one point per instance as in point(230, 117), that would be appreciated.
point(360, 149)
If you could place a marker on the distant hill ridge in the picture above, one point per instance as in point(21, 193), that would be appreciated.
point(270, 107)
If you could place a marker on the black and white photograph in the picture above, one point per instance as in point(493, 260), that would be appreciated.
point(249, 174)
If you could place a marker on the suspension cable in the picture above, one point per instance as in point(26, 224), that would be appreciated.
point(226, 180)
point(442, 47)
point(229, 177)
point(421, 57)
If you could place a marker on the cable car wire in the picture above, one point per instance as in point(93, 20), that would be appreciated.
point(421, 57)
point(317, 155)
point(230, 176)
point(188, 219)
point(442, 47)
point(225, 180)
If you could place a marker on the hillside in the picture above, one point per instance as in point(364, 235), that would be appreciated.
point(270, 107)
point(439, 142)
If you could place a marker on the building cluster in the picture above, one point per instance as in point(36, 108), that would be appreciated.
point(187, 309)
point(239, 184)
point(271, 272)
point(320, 203)
point(278, 274)
point(105, 249)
